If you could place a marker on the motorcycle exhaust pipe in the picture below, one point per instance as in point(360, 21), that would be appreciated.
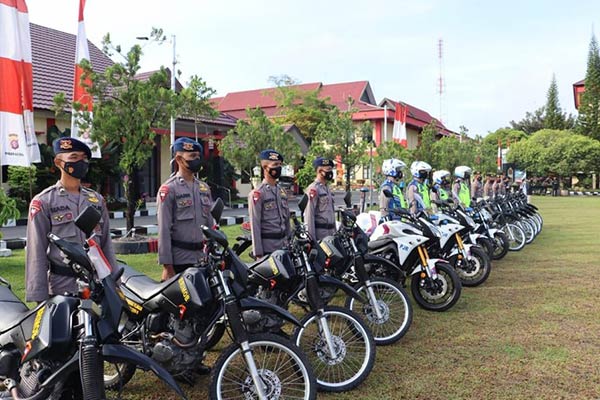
point(172, 338)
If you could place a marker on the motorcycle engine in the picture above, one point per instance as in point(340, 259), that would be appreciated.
point(176, 348)
point(264, 321)
point(31, 374)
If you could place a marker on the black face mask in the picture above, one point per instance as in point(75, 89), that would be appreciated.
point(479, 179)
point(194, 165)
point(328, 175)
point(275, 172)
point(423, 174)
point(399, 175)
point(77, 169)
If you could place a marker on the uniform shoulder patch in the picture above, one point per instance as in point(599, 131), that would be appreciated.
point(163, 192)
point(34, 208)
point(312, 193)
point(255, 196)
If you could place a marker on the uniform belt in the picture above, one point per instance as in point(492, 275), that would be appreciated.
point(279, 235)
point(187, 245)
point(63, 270)
point(324, 226)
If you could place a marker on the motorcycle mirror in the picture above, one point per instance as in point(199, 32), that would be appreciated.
point(302, 203)
point(387, 193)
point(87, 220)
point(217, 210)
point(348, 199)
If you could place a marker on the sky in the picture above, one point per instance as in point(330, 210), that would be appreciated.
point(498, 57)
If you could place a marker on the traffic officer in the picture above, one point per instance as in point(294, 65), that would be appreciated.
point(496, 187)
point(319, 214)
point(477, 186)
point(184, 204)
point(417, 192)
point(392, 169)
point(460, 190)
point(54, 210)
point(268, 208)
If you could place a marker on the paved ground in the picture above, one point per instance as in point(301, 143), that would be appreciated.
point(20, 231)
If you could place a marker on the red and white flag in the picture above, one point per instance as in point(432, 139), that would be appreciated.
point(80, 93)
point(499, 160)
point(18, 143)
point(399, 131)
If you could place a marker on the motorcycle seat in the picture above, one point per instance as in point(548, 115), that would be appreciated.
point(143, 286)
point(12, 307)
point(377, 243)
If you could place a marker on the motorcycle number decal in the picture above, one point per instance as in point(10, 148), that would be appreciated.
point(326, 249)
point(37, 322)
point(184, 290)
point(273, 266)
point(134, 307)
point(404, 247)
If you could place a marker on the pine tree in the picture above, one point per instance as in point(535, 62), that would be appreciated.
point(554, 117)
point(589, 111)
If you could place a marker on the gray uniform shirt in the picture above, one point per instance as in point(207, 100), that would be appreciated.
point(183, 207)
point(269, 218)
point(456, 191)
point(319, 214)
point(54, 210)
point(413, 197)
point(487, 190)
point(477, 189)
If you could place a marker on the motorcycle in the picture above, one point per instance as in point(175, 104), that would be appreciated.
point(337, 342)
point(388, 312)
point(434, 284)
point(57, 350)
point(173, 321)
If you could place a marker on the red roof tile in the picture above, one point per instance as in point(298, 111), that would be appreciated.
point(579, 83)
point(53, 60)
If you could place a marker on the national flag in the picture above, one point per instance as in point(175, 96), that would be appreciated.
point(399, 131)
point(80, 94)
point(499, 160)
point(18, 143)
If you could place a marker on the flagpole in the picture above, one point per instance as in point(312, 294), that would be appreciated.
point(385, 122)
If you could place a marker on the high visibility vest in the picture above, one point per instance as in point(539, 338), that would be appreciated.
point(464, 195)
point(442, 193)
point(398, 193)
point(424, 192)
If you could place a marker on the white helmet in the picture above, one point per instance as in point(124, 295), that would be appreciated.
point(438, 176)
point(417, 166)
point(392, 167)
point(462, 171)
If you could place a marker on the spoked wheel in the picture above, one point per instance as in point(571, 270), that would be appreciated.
point(475, 270)
point(117, 375)
point(437, 294)
point(395, 310)
point(346, 360)
point(515, 235)
point(282, 368)
point(528, 230)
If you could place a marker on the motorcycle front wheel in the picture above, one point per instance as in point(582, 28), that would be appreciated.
point(283, 370)
point(437, 294)
point(353, 355)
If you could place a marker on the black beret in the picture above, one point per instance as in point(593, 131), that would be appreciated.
point(270, 155)
point(322, 162)
point(186, 144)
point(68, 144)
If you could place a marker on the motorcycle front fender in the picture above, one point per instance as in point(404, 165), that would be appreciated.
point(349, 290)
point(252, 303)
point(121, 353)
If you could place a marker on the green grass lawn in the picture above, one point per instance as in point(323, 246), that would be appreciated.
point(530, 332)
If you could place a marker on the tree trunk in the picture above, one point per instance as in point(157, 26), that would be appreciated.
point(347, 178)
point(130, 197)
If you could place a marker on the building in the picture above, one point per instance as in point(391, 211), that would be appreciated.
point(578, 89)
point(53, 56)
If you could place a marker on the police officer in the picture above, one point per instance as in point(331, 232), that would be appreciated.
point(268, 208)
point(392, 169)
point(184, 204)
point(417, 192)
point(319, 214)
point(460, 190)
point(488, 192)
point(477, 186)
point(54, 210)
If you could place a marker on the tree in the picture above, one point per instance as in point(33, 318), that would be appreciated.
point(533, 122)
point(127, 110)
point(303, 108)
point(553, 117)
point(8, 209)
point(428, 135)
point(21, 181)
point(588, 122)
point(194, 101)
point(337, 136)
point(242, 146)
